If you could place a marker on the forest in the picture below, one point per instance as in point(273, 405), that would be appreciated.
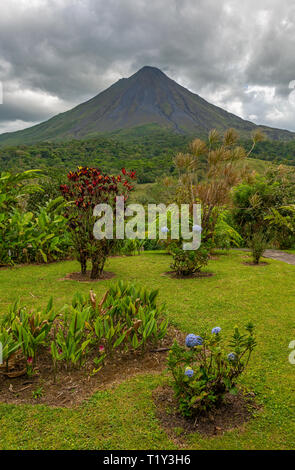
point(150, 154)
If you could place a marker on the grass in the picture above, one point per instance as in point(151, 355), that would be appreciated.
point(123, 417)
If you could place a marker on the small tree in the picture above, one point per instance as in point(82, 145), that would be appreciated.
point(281, 218)
point(257, 242)
point(252, 204)
point(208, 173)
point(86, 188)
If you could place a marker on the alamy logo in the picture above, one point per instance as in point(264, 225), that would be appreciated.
point(131, 222)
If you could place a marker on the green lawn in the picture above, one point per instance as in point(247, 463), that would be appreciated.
point(123, 417)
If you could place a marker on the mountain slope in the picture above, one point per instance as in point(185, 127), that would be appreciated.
point(147, 98)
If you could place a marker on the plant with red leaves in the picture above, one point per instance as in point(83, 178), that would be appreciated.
point(86, 188)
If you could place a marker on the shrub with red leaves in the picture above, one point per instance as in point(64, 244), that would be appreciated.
point(86, 188)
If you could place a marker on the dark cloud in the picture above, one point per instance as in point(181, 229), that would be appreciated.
point(55, 54)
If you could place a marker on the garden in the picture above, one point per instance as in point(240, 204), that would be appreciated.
point(140, 344)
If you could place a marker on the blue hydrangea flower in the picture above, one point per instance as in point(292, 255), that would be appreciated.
point(216, 330)
point(232, 357)
point(197, 228)
point(192, 340)
point(189, 372)
point(164, 229)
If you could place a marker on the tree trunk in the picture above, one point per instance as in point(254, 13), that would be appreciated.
point(97, 268)
point(83, 262)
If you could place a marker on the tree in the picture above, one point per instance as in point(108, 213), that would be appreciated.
point(267, 206)
point(253, 202)
point(208, 173)
point(86, 188)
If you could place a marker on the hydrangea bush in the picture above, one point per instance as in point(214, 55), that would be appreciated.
point(188, 262)
point(208, 367)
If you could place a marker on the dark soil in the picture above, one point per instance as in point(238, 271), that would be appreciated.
point(74, 386)
point(86, 277)
point(174, 275)
point(234, 412)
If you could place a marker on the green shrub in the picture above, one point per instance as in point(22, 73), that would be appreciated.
point(128, 247)
point(127, 316)
point(30, 329)
point(71, 339)
point(151, 245)
point(207, 369)
point(187, 262)
point(41, 237)
point(258, 243)
point(9, 346)
point(225, 236)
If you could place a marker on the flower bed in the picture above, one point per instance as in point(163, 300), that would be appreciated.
point(82, 341)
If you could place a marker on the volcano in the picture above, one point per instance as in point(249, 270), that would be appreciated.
point(149, 99)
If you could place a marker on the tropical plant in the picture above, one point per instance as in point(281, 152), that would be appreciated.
point(86, 188)
point(71, 339)
point(40, 237)
point(8, 347)
point(282, 222)
point(130, 247)
point(29, 328)
point(127, 247)
point(14, 188)
point(208, 173)
point(252, 204)
point(126, 316)
point(225, 235)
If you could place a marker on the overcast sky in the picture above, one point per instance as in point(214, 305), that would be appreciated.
point(238, 55)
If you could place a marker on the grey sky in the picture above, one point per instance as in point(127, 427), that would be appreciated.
point(55, 54)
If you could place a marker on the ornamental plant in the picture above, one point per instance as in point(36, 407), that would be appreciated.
point(71, 338)
point(10, 346)
point(209, 172)
point(188, 262)
point(30, 329)
point(86, 188)
point(14, 189)
point(127, 317)
point(36, 237)
point(258, 243)
point(207, 368)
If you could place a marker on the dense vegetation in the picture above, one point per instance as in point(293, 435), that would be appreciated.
point(150, 154)
point(275, 151)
